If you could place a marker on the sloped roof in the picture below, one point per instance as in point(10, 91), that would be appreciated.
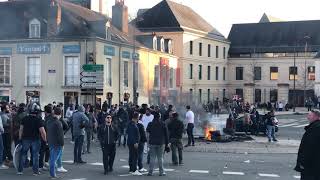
point(170, 16)
point(274, 37)
point(267, 18)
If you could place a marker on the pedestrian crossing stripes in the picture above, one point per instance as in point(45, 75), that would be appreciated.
point(297, 124)
point(297, 177)
point(268, 175)
point(199, 171)
point(232, 173)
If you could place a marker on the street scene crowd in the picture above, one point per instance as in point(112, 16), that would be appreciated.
point(147, 131)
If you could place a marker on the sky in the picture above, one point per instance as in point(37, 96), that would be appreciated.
point(223, 13)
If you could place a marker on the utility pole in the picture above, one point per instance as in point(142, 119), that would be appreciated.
point(305, 70)
point(294, 80)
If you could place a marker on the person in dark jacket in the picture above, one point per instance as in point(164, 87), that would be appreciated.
point(123, 119)
point(308, 161)
point(176, 128)
point(90, 127)
point(108, 135)
point(158, 137)
point(143, 140)
point(133, 144)
point(55, 139)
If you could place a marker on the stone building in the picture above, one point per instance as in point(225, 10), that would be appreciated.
point(273, 61)
point(45, 43)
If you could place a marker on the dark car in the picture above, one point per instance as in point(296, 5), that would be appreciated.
point(262, 127)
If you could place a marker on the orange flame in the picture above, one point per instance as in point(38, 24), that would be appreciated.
point(207, 133)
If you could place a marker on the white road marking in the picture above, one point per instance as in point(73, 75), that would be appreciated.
point(247, 161)
point(199, 171)
point(125, 175)
point(287, 125)
point(268, 175)
point(68, 161)
point(232, 173)
point(123, 160)
point(302, 125)
point(79, 179)
point(125, 166)
point(96, 164)
point(168, 170)
point(297, 177)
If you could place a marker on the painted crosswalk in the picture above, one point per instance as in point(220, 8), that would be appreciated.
point(295, 124)
point(205, 172)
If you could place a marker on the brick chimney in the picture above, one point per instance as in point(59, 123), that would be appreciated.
point(54, 19)
point(120, 16)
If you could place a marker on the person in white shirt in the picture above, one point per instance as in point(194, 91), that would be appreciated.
point(190, 126)
point(146, 118)
point(280, 106)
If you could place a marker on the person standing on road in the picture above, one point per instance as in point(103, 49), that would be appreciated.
point(190, 126)
point(79, 122)
point(217, 107)
point(30, 128)
point(176, 128)
point(143, 140)
point(270, 122)
point(108, 135)
point(2, 166)
point(158, 137)
point(133, 144)
point(7, 126)
point(55, 139)
point(90, 127)
point(308, 161)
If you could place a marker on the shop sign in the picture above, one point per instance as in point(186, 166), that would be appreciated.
point(67, 49)
point(33, 48)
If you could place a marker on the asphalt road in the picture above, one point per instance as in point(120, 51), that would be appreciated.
point(292, 126)
point(198, 166)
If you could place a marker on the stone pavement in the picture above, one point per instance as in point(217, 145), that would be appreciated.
point(301, 110)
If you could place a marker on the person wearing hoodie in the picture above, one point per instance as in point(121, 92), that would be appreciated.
point(79, 122)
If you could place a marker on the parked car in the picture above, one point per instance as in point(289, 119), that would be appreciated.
point(262, 127)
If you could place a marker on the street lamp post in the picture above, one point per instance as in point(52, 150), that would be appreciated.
point(305, 69)
point(294, 80)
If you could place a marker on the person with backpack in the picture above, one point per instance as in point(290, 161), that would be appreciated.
point(108, 135)
point(79, 122)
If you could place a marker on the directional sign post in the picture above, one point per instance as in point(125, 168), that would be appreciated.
point(92, 76)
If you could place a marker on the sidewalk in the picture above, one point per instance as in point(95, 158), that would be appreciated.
point(259, 145)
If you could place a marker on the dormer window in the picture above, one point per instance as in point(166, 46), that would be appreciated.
point(170, 46)
point(34, 28)
point(154, 42)
point(162, 45)
point(108, 30)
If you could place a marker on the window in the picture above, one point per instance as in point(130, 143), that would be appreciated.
point(200, 72)
point(217, 51)
point(72, 71)
point(224, 93)
point(125, 73)
point(34, 29)
point(274, 73)
point(274, 95)
point(5, 70)
point(200, 96)
point(311, 73)
point(109, 72)
point(200, 49)
point(209, 73)
point(209, 50)
point(33, 71)
point(224, 52)
point(257, 95)
point(217, 73)
point(239, 73)
point(257, 73)
point(191, 47)
point(170, 47)
point(156, 75)
point(208, 95)
point(224, 73)
point(154, 43)
point(171, 77)
point(190, 71)
point(162, 45)
point(293, 73)
point(239, 92)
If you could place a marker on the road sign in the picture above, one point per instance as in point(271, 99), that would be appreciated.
point(92, 76)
